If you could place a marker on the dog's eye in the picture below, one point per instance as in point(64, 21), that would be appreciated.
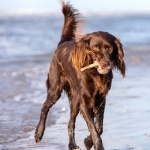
point(108, 48)
point(95, 47)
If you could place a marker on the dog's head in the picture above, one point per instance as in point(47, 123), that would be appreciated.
point(100, 50)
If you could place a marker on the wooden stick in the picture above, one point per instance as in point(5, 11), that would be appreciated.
point(95, 64)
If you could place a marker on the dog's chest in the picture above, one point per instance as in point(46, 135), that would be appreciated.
point(102, 85)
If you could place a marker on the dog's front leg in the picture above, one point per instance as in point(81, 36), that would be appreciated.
point(99, 125)
point(89, 120)
point(100, 117)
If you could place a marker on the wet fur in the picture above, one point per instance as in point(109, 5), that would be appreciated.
point(86, 90)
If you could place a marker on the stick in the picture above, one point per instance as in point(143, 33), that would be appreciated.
point(95, 64)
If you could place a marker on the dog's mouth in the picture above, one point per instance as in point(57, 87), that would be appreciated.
point(101, 68)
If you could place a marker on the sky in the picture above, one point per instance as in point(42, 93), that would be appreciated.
point(82, 5)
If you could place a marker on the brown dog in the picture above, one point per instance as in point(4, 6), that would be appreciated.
point(84, 70)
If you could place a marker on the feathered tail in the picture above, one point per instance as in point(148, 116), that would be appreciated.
point(71, 20)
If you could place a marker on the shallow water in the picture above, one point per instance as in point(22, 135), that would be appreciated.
point(26, 47)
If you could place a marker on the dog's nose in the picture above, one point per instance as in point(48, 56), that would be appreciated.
point(105, 64)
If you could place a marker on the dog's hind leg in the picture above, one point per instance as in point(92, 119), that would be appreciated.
point(74, 110)
point(54, 88)
point(44, 111)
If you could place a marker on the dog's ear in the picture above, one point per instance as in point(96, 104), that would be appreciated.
point(87, 42)
point(119, 57)
point(81, 54)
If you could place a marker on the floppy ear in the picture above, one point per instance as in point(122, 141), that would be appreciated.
point(81, 54)
point(119, 58)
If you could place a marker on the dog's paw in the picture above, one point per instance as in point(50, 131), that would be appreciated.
point(73, 147)
point(38, 133)
point(88, 143)
point(37, 136)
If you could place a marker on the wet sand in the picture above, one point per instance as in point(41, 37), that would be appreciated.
point(127, 113)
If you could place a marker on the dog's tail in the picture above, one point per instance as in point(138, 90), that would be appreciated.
point(71, 20)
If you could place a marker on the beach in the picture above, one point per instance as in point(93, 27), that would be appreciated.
point(27, 46)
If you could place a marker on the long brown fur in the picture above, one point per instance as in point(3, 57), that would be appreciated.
point(86, 90)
